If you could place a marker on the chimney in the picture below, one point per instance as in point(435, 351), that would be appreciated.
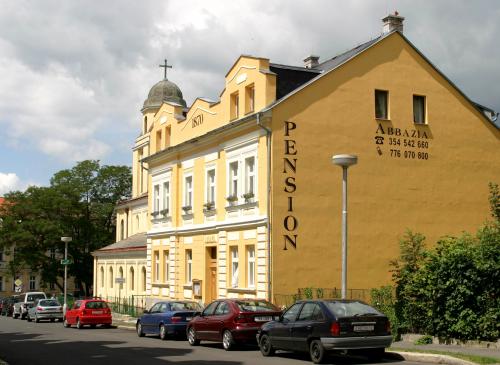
point(311, 61)
point(392, 22)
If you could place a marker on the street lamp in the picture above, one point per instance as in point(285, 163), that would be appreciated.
point(344, 161)
point(65, 240)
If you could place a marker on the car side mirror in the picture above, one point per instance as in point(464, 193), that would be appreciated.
point(146, 311)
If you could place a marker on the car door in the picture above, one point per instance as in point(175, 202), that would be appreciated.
point(281, 332)
point(307, 323)
point(71, 313)
point(203, 325)
point(158, 317)
point(219, 320)
point(147, 319)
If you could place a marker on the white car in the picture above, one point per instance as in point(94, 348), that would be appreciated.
point(26, 300)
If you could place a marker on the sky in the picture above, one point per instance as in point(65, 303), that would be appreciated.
point(74, 74)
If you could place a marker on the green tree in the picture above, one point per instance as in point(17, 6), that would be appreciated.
point(79, 203)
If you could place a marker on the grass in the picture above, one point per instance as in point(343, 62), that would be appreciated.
point(482, 360)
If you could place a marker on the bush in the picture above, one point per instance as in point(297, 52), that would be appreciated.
point(383, 300)
point(424, 340)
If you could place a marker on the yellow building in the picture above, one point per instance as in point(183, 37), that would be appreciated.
point(242, 197)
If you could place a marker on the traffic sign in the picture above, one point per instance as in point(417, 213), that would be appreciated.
point(18, 282)
point(66, 261)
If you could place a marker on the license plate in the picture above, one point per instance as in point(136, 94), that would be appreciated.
point(263, 318)
point(363, 328)
point(189, 318)
point(96, 312)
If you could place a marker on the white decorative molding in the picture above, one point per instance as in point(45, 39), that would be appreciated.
point(187, 164)
point(233, 236)
point(249, 234)
point(188, 240)
point(212, 156)
point(239, 69)
point(241, 78)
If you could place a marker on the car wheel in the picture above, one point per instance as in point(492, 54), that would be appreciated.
point(37, 320)
point(191, 335)
point(28, 318)
point(65, 323)
point(227, 340)
point(79, 324)
point(317, 351)
point(265, 345)
point(138, 328)
point(163, 332)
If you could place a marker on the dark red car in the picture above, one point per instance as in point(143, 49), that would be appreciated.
point(231, 321)
point(88, 312)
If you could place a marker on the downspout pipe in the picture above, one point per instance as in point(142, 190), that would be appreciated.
point(269, 252)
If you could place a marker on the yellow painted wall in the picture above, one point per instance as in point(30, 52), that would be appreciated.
point(444, 195)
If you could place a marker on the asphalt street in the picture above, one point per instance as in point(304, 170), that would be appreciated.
point(29, 343)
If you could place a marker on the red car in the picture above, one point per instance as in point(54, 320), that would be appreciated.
point(88, 312)
point(231, 321)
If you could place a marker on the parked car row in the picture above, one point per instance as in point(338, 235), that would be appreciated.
point(313, 326)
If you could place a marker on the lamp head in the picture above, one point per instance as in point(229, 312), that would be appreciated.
point(345, 160)
point(66, 239)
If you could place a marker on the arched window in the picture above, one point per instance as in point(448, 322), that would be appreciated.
point(102, 277)
point(131, 278)
point(122, 230)
point(143, 279)
point(120, 272)
point(111, 279)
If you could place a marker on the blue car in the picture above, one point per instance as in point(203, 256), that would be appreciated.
point(169, 318)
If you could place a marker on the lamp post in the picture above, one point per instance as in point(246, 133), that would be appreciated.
point(344, 161)
point(66, 240)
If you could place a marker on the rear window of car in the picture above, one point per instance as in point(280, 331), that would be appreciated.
point(185, 306)
point(351, 309)
point(256, 306)
point(49, 303)
point(96, 305)
point(33, 297)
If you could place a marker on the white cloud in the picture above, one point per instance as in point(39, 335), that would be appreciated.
point(9, 182)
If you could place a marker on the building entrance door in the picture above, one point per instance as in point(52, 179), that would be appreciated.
point(211, 289)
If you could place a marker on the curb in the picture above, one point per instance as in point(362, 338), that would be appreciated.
point(122, 327)
point(429, 358)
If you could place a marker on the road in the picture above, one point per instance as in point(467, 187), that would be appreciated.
point(29, 343)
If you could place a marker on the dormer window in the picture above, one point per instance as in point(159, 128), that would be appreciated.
point(381, 104)
point(235, 106)
point(250, 99)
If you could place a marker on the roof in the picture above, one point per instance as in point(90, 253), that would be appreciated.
point(135, 242)
point(339, 60)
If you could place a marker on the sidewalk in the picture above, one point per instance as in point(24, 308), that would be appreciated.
point(463, 349)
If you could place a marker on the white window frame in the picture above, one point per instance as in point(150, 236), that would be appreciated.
point(251, 266)
point(234, 267)
point(157, 266)
point(210, 186)
point(166, 194)
point(156, 199)
point(249, 188)
point(239, 156)
point(189, 266)
point(166, 266)
point(188, 196)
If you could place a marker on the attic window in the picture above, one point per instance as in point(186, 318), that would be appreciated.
point(235, 106)
point(381, 104)
point(145, 125)
point(250, 99)
point(419, 110)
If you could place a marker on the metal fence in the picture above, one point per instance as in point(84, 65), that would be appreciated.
point(287, 300)
point(133, 306)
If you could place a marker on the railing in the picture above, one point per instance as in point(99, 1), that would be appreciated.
point(286, 300)
point(133, 306)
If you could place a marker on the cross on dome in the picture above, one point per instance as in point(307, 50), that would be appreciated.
point(165, 66)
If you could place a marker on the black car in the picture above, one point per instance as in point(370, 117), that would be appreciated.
point(318, 326)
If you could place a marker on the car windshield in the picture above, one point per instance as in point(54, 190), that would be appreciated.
point(96, 305)
point(351, 309)
point(185, 306)
point(49, 303)
point(256, 306)
point(33, 297)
